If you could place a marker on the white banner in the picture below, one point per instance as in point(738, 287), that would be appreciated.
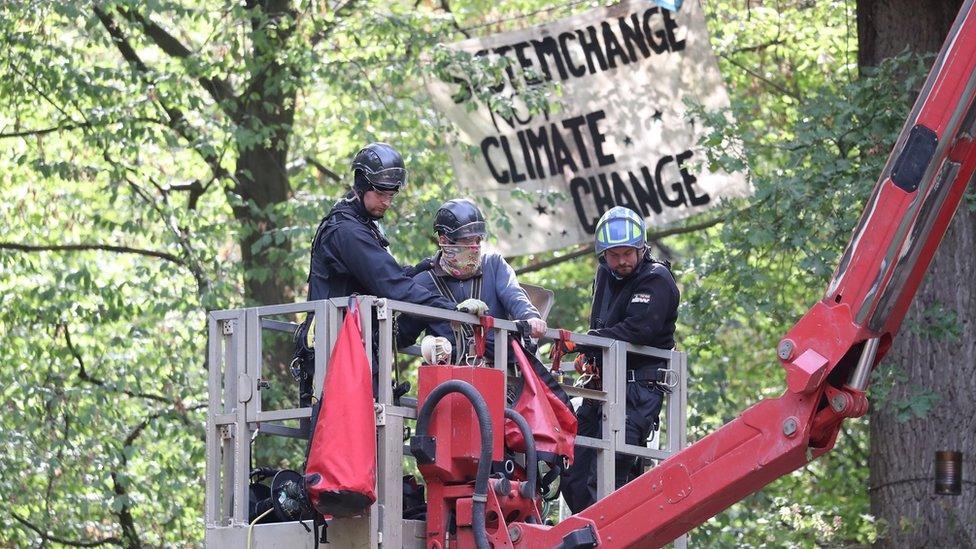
point(619, 135)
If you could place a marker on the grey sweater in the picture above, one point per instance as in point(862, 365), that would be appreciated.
point(500, 290)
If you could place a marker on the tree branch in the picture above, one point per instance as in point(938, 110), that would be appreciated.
point(126, 520)
point(125, 514)
point(219, 89)
point(195, 190)
point(45, 131)
point(757, 47)
point(588, 249)
point(176, 119)
point(322, 169)
point(30, 82)
point(446, 6)
point(762, 78)
point(53, 471)
point(324, 33)
point(657, 235)
point(83, 247)
point(55, 539)
point(666, 252)
point(85, 376)
point(538, 266)
point(177, 122)
point(203, 286)
point(192, 264)
point(69, 125)
point(136, 431)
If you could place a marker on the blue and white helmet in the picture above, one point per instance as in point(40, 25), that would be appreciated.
point(620, 226)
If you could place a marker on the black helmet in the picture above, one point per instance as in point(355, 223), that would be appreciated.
point(459, 218)
point(378, 166)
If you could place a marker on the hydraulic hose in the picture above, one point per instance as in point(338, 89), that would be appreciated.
point(480, 496)
point(531, 460)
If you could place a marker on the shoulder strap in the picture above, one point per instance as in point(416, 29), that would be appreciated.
point(446, 292)
point(442, 287)
point(476, 287)
point(352, 216)
point(667, 266)
point(597, 291)
point(315, 243)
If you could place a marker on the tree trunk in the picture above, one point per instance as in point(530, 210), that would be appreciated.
point(935, 351)
point(267, 108)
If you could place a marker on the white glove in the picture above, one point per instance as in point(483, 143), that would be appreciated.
point(473, 306)
point(435, 350)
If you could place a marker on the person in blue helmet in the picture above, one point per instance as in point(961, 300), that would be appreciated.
point(460, 270)
point(635, 299)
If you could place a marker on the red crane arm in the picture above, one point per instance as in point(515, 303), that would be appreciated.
point(830, 352)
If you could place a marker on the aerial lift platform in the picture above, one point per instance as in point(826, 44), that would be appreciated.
point(237, 416)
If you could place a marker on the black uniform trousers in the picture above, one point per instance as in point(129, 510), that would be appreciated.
point(644, 400)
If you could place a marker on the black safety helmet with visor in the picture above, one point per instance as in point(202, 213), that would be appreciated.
point(378, 167)
point(459, 218)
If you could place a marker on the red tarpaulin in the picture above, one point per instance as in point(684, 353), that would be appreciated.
point(340, 471)
point(545, 406)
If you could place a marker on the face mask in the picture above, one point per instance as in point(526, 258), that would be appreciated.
point(460, 260)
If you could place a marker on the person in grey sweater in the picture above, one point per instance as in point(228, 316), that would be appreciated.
point(461, 270)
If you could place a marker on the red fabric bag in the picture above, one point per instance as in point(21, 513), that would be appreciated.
point(340, 469)
point(545, 407)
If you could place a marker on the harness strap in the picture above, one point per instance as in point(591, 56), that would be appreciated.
point(445, 291)
point(559, 348)
point(321, 528)
point(646, 374)
point(480, 331)
point(665, 378)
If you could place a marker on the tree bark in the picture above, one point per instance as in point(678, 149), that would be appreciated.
point(902, 458)
point(267, 105)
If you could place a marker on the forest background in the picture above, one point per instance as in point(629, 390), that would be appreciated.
point(162, 158)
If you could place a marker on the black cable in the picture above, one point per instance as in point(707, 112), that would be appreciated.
point(910, 480)
point(531, 460)
point(480, 496)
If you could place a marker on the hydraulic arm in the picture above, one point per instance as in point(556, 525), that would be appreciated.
point(828, 355)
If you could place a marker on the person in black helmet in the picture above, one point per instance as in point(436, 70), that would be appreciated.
point(462, 270)
point(350, 253)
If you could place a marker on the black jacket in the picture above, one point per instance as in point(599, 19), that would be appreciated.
point(350, 255)
point(640, 309)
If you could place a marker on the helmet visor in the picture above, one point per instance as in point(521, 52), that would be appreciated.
point(618, 232)
point(390, 179)
point(475, 228)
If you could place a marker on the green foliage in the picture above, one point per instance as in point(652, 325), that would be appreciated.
point(135, 152)
point(889, 395)
point(892, 391)
point(147, 170)
point(940, 324)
